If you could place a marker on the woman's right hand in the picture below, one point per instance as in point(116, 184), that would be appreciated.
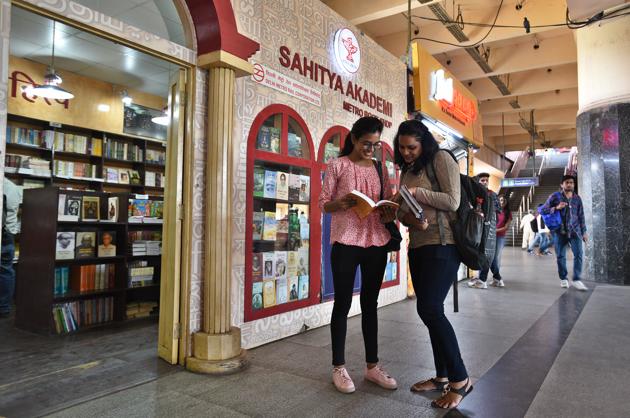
point(343, 203)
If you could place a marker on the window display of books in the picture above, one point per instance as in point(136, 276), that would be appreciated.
point(268, 139)
point(273, 184)
point(145, 211)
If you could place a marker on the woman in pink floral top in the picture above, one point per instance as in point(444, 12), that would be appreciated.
point(357, 243)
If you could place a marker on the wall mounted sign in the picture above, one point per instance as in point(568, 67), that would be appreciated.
point(347, 50)
point(520, 182)
point(451, 100)
point(285, 84)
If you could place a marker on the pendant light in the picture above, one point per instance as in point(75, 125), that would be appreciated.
point(164, 119)
point(50, 89)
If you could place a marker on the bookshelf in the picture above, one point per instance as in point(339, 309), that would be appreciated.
point(83, 159)
point(69, 272)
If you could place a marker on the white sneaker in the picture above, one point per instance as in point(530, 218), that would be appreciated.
point(579, 285)
point(497, 283)
point(472, 281)
point(564, 283)
point(479, 285)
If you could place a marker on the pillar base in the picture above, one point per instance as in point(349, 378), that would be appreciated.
point(217, 353)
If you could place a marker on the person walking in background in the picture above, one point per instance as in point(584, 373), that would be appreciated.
point(542, 238)
point(528, 233)
point(504, 218)
point(356, 243)
point(10, 227)
point(571, 231)
point(432, 177)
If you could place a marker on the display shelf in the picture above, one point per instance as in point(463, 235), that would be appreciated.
point(71, 296)
point(26, 176)
point(26, 147)
point(272, 199)
point(143, 257)
point(77, 155)
point(119, 161)
point(90, 260)
point(79, 179)
point(94, 223)
point(143, 288)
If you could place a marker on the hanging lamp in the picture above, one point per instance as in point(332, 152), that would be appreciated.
point(164, 119)
point(50, 88)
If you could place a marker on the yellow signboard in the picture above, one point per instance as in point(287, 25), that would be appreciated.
point(440, 96)
point(81, 111)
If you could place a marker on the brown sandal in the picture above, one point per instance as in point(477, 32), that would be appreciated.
point(463, 392)
point(439, 386)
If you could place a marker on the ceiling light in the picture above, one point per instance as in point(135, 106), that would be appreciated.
point(164, 119)
point(102, 107)
point(50, 89)
point(126, 98)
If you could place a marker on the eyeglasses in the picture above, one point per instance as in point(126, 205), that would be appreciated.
point(367, 146)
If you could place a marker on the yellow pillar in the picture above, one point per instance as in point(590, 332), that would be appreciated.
point(217, 348)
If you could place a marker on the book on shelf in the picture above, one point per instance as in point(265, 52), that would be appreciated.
point(257, 295)
point(258, 223)
point(92, 277)
point(304, 227)
point(24, 164)
point(68, 208)
point(134, 177)
point(268, 260)
point(282, 293)
point(62, 281)
point(123, 177)
point(293, 288)
point(302, 265)
point(294, 187)
point(154, 179)
point(65, 246)
point(305, 188)
point(91, 209)
point(110, 174)
point(145, 211)
point(364, 205)
point(24, 136)
point(140, 274)
point(33, 184)
point(282, 186)
point(259, 182)
point(294, 145)
point(303, 285)
point(292, 263)
point(112, 209)
point(72, 316)
point(269, 293)
point(257, 267)
point(270, 226)
point(282, 234)
point(86, 245)
point(74, 169)
point(106, 244)
point(281, 264)
point(137, 310)
point(270, 184)
point(268, 139)
point(331, 151)
point(155, 157)
point(122, 150)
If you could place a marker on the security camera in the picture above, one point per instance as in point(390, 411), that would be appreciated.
point(416, 31)
point(469, 83)
point(519, 6)
point(448, 62)
point(536, 46)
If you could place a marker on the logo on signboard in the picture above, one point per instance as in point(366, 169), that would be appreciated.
point(259, 73)
point(347, 50)
point(441, 87)
point(452, 101)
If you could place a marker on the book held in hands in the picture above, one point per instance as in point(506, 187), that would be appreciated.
point(364, 205)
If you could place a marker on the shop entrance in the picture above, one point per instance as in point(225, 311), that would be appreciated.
point(95, 139)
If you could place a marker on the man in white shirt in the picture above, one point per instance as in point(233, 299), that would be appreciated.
point(528, 233)
point(10, 227)
point(542, 237)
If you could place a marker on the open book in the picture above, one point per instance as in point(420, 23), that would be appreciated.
point(365, 205)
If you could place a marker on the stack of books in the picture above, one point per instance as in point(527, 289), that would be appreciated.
point(141, 309)
point(141, 275)
point(72, 316)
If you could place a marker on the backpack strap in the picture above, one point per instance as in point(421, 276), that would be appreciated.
point(435, 186)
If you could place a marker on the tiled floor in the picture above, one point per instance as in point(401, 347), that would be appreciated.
point(509, 340)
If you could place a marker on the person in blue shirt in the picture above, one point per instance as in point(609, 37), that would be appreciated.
point(572, 230)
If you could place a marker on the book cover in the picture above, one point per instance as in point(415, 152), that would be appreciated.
point(275, 140)
point(61, 207)
point(257, 296)
point(149, 179)
point(302, 267)
point(331, 151)
point(111, 175)
point(270, 184)
point(305, 188)
point(295, 145)
point(112, 209)
point(91, 210)
point(281, 264)
point(134, 177)
point(72, 209)
point(257, 267)
point(292, 264)
point(263, 141)
point(123, 176)
point(365, 205)
point(259, 182)
point(270, 226)
point(282, 211)
point(65, 246)
point(106, 244)
point(282, 293)
point(86, 244)
point(282, 234)
point(282, 186)
point(258, 223)
point(269, 293)
point(294, 187)
point(268, 260)
point(303, 287)
point(293, 288)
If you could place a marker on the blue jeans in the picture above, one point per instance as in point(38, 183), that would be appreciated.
point(540, 240)
point(433, 271)
point(561, 242)
point(496, 262)
point(7, 274)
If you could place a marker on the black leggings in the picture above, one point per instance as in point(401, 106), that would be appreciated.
point(344, 260)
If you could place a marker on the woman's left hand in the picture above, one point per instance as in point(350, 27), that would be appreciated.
point(388, 214)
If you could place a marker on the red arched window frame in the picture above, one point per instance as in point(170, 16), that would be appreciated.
point(387, 155)
point(284, 159)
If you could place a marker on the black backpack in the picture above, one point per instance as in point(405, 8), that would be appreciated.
point(474, 228)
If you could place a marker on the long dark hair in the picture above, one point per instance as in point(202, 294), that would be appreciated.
point(363, 126)
point(506, 210)
point(428, 143)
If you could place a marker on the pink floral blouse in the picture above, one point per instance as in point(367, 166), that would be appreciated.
point(343, 176)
